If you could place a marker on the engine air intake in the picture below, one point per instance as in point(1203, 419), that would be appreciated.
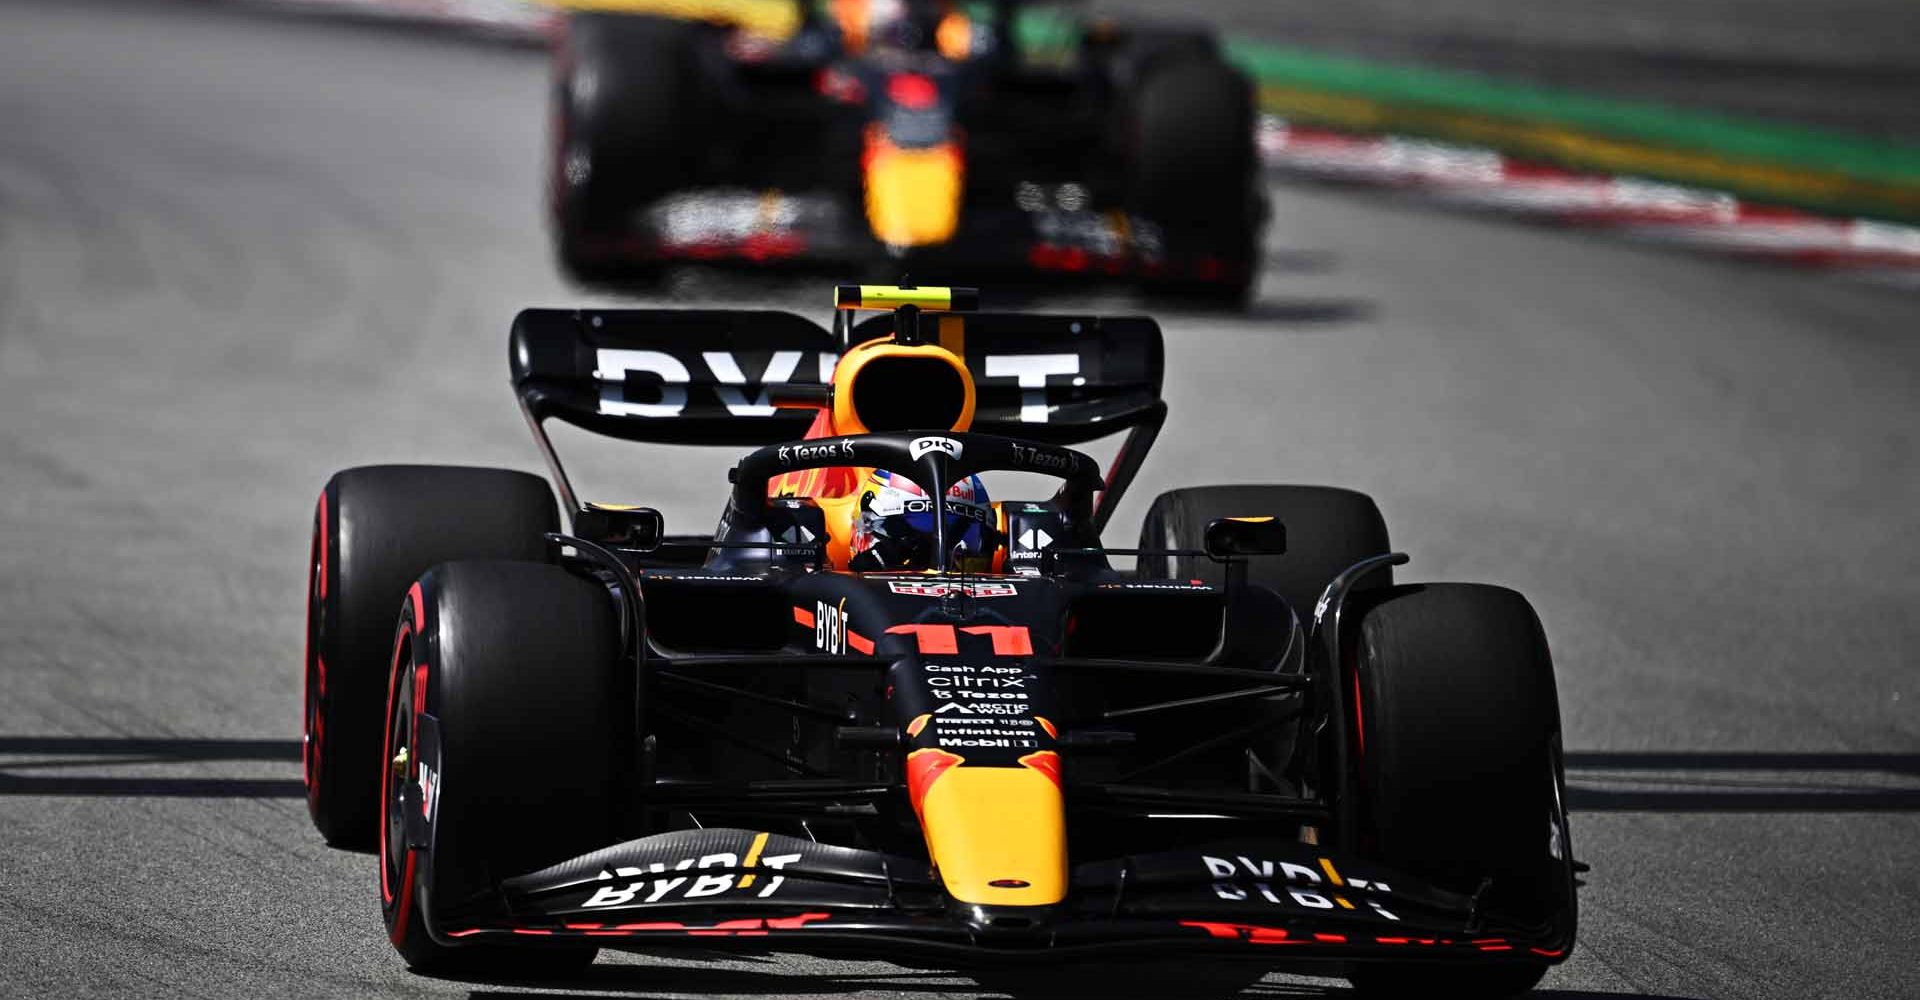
point(883, 386)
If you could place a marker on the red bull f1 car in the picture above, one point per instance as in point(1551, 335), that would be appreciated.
point(877, 713)
point(918, 136)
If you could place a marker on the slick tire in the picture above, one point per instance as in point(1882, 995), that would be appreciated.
point(1194, 173)
point(516, 663)
point(628, 118)
point(1456, 755)
point(376, 529)
point(1328, 530)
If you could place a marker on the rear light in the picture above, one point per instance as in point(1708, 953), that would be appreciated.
point(838, 86)
point(912, 91)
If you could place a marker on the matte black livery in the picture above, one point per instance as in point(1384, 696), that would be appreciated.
point(1254, 746)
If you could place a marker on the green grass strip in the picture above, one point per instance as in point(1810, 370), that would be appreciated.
point(1658, 125)
point(1788, 164)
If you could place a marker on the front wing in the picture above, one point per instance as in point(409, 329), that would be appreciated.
point(771, 227)
point(1274, 901)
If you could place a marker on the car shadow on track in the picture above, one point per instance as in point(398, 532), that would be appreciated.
point(1597, 781)
point(1170, 980)
point(1675, 782)
point(1057, 982)
point(26, 760)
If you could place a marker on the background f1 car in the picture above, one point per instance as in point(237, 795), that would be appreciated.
point(909, 134)
point(1254, 746)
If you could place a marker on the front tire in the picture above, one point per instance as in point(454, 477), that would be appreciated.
point(628, 114)
point(375, 529)
point(516, 663)
point(1194, 174)
point(1457, 754)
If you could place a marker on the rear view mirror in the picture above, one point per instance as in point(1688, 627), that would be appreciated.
point(1233, 537)
point(621, 526)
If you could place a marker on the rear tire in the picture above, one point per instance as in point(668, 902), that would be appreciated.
point(516, 661)
point(627, 119)
point(375, 529)
point(1457, 754)
point(1194, 173)
point(1328, 530)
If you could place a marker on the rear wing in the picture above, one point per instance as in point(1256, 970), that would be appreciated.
point(676, 376)
point(711, 377)
point(693, 376)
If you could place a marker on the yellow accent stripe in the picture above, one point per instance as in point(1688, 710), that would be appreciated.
point(770, 202)
point(753, 858)
point(775, 19)
point(1327, 866)
point(1343, 902)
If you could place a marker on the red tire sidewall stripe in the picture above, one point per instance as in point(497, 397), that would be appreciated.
point(1359, 719)
point(326, 544)
point(1357, 767)
point(410, 627)
point(312, 721)
point(400, 643)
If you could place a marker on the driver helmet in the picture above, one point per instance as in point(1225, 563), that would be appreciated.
point(904, 25)
point(893, 526)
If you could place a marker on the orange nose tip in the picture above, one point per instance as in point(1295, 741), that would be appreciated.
point(913, 195)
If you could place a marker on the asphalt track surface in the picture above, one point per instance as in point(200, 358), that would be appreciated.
point(239, 252)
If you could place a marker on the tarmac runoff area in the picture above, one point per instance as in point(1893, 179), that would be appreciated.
point(239, 252)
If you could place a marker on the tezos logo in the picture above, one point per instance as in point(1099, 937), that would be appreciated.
point(1039, 458)
point(920, 446)
point(791, 453)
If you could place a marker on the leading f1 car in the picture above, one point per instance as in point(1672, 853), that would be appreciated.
point(926, 136)
point(877, 712)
